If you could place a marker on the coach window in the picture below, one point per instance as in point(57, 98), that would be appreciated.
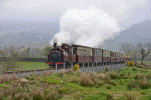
point(74, 50)
point(79, 51)
point(84, 51)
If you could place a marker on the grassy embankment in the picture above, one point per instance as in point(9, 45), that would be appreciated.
point(131, 83)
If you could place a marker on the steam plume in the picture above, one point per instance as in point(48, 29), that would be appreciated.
point(88, 27)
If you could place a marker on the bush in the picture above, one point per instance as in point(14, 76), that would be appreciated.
point(106, 69)
point(134, 69)
point(54, 95)
point(9, 97)
point(101, 76)
point(144, 84)
point(132, 63)
point(130, 97)
point(62, 72)
point(142, 63)
point(17, 96)
point(76, 67)
point(128, 63)
point(148, 76)
point(38, 95)
point(109, 96)
point(1, 96)
point(93, 75)
point(108, 86)
point(86, 80)
point(113, 82)
point(132, 84)
point(136, 63)
point(98, 82)
point(139, 76)
point(114, 76)
point(26, 96)
point(48, 96)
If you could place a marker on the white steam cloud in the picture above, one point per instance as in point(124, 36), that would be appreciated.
point(89, 27)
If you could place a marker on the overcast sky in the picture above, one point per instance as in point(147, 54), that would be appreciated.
point(125, 11)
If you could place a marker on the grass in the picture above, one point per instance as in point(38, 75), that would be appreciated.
point(127, 84)
point(31, 65)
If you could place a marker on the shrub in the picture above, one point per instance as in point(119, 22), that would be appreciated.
point(130, 97)
point(132, 63)
point(93, 75)
point(38, 95)
point(17, 96)
point(128, 63)
point(9, 97)
point(114, 76)
point(48, 96)
point(139, 76)
point(106, 69)
point(134, 69)
point(125, 77)
point(86, 80)
point(74, 80)
point(62, 72)
point(1, 96)
point(98, 82)
point(101, 76)
point(113, 82)
point(142, 63)
point(76, 67)
point(148, 76)
point(71, 72)
point(54, 95)
point(107, 78)
point(109, 96)
point(108, 86)
point(26, 96)
point(132, 84)
point(136, 63)
point(144, 84)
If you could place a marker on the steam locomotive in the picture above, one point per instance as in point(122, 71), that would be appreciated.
point(78, 54)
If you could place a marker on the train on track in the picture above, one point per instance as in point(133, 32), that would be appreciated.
point(78, 54)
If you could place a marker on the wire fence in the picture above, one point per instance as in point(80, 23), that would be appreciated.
point(25, 73)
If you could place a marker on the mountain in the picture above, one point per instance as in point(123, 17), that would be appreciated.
point(29, 32)
point(38, 34)
point(138, 33)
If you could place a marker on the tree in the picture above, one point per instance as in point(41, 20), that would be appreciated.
point(127, 48)
point(26, 52)
point(144, 49)
point(46, 50)
point(12, 59)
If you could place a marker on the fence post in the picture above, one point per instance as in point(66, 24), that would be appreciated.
point(19, 71)
point(35, 70)
point(83, 64)
point(56, 66)
point(1, 69)
point(71, 64)
point(64, 65)
point(96, 67)
point(88, 67)
point(92, 67)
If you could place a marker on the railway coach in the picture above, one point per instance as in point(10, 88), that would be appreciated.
point(78, 54)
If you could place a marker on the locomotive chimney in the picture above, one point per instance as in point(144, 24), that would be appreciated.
point(55, 46)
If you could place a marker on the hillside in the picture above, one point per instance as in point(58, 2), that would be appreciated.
point(40, 33)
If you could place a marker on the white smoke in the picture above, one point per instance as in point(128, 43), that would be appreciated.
point(89, 27)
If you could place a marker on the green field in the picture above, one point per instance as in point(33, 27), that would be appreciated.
point(32, 65)
point(131, 83)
